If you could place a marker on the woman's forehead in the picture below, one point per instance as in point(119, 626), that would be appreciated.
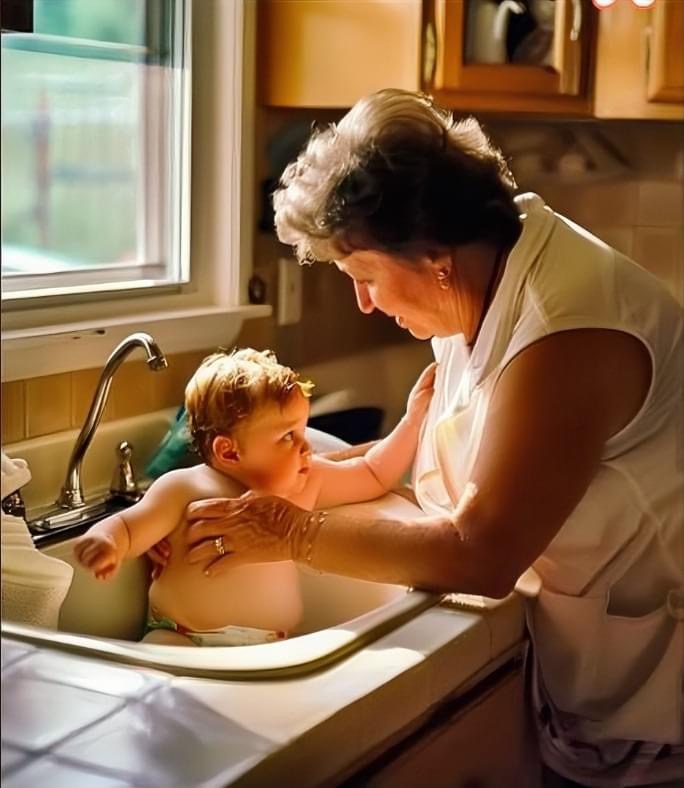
point(366, 261)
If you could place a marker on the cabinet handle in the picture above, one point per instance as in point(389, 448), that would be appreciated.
point(429, 54)
point(647, 57)
point(576, 20)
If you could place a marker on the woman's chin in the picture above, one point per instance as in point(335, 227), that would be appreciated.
point(418, 333)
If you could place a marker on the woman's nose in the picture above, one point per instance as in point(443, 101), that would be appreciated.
point(363, 299)
point(305, 448)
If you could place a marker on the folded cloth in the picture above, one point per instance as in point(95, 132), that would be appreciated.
point(34, 585)
point(15, 474)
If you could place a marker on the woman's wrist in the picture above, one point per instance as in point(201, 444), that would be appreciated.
point(305, 534)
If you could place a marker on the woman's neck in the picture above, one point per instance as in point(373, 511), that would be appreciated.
point(488, 288)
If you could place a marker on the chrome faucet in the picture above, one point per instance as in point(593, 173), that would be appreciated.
point(71, 496)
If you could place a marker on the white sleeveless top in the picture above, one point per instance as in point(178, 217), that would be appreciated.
point(606, 608)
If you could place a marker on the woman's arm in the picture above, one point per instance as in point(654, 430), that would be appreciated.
point(383, 466)
point(553, 409)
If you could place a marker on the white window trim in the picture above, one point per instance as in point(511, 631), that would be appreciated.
point(207, 312)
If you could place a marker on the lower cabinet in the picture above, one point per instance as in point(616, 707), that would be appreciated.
point(483, 741)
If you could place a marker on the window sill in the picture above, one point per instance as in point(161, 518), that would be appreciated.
point(49, 350)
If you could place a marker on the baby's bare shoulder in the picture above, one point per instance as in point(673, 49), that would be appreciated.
point(193, 484)
point(201, 481)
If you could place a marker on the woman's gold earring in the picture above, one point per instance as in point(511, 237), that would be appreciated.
point(443, 278)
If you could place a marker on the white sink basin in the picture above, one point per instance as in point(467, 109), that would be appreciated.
point(341, 615)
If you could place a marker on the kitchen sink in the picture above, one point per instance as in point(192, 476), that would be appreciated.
point(341, 615)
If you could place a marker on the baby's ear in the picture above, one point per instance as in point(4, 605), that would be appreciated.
point(225, 449)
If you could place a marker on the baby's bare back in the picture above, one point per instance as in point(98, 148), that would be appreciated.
point(265, 596)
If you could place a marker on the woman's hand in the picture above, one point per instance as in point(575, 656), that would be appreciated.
point(421, 394)
point(250, 529)
point(159, 554)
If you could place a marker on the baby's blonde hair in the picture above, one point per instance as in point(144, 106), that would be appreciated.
point(230, 386)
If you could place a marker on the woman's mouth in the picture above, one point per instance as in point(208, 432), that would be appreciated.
point(400, 322)
point(305, 469)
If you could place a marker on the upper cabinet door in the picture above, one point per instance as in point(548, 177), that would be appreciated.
point(510, 55)
point(640, 64)
point(666, 61)
point(329, 53)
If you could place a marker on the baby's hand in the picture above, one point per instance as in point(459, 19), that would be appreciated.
point(98, 554)
point(421, 394)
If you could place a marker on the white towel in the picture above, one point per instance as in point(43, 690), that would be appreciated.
point(15, 474)
point(34, 585)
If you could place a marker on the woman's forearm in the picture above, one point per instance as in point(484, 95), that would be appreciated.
point(427, 553)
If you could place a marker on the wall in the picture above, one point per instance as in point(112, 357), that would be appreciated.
point(623, 181)
point(332, 327)
point(630, 195)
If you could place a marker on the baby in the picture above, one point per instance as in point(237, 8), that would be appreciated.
point(247, 415)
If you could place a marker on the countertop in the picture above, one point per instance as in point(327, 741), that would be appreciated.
point(75, 721)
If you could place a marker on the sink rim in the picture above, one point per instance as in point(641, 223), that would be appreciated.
point(313, 651)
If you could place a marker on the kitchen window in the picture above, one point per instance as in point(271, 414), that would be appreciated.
point(95, 120)
point(167, 253)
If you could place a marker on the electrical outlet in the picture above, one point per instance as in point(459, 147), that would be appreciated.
point(289, 291)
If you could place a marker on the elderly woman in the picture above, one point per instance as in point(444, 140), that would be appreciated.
point(553, 441)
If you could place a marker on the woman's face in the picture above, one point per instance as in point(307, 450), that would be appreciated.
point(406, 291)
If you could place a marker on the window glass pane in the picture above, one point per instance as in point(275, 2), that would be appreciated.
point(91, 141)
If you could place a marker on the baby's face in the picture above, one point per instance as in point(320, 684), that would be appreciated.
point(275, 456)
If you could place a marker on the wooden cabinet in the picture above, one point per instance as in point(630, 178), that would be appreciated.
point(329, 53)
point(621, 62)
point(486, 743)
point(559, 85)
point(640, 61)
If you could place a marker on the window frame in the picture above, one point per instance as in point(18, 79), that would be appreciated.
point(79, 332)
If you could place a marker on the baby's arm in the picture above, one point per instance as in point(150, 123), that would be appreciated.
point(132, 532)
point(383, 466)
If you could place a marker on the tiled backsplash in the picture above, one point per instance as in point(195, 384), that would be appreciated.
point(640, 212)
point(41, 406)
point(629, 190)
point(640, 218)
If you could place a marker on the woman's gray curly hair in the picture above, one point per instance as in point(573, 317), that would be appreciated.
point(396, 174)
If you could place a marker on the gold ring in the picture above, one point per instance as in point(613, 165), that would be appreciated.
point(218, 544)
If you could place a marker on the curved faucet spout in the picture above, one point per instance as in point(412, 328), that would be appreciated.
point(71, 496)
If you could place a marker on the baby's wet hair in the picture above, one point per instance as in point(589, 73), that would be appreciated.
point(229, 386)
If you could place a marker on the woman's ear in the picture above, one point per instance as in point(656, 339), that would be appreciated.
point(225, 449)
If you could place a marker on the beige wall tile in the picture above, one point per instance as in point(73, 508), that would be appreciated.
point(660, 204)
point(132, 389)
point(599, 204)
point(83, 386)
point(13, 412)
point(169, 385)
point(620, 238)
point(48, 404)
point(661, 251)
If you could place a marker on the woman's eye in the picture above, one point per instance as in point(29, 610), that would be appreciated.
point(288, 437)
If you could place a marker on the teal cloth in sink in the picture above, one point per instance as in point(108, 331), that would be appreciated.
point(175, 449)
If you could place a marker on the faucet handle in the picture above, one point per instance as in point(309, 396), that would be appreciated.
point(124, 482)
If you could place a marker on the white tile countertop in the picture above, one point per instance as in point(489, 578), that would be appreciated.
point(75, 721)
